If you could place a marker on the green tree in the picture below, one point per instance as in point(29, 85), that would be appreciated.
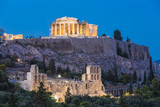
point(59, 71)
point(44, 64)
point(156, 85)
point(134, 77)
point(52, 66)
point(151, 74)
point(110, 76)
point(130, 88)
point(115, 74)
point(122, 100)
point(3, 68)
point(14, 57)
point(42, 98)
point(125, 54)
point(138, 87)
point(68, 96)
point(85, 68)
point(128, 40)
point(104, 35)
point(12, 101)
point(144, 80)
point(117, 35)
point(84, 104)
point(67, 70)
point(119, 50)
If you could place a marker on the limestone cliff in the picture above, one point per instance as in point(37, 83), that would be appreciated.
point(76, 53)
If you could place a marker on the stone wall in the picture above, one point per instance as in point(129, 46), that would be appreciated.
point(89, 46)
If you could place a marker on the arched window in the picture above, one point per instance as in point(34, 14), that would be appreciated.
point(76, 86)
point(35, 78)
point(86, 77)
point(39, 78)
point(43, 78)
point(95, 69)
point(102, 88)
point(86, 86)
point(91, 69)
point(92, 77)
point(97, 77)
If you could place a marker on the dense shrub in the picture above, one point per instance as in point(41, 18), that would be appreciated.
point(8, 63)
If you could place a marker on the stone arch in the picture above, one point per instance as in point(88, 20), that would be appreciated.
point(86, 86)
point(102, 88)
point(35, 78)
point(94, 77)
point(43, 78)
point(95, 69)
point(60, 99)
point(86, 78)
point(91, 76)
point(97, 77)
point(76, 86)
point(39, 78)
point(91, 69)
point(36, 70)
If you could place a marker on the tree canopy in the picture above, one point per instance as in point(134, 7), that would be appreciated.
point(117, 35)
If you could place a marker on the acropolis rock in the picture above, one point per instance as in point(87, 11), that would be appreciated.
point(75, 53)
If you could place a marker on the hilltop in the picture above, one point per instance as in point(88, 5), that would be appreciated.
point(75, 53)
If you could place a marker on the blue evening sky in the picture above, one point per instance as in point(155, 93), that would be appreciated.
point(137, 19)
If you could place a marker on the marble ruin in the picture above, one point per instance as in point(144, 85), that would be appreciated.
point(4, 36)
point(69, 26)
point(90, 84)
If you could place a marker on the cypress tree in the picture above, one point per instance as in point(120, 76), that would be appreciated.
point(138, 86)
point(59, 71)
point(115, 74)
point(128, 40)
point(110, 76)
point(121, 100)
point(51, 66)
point(41, 97)
point(130, 88)
point(12, 101)
point(68, 96)
point(44, 64)
point(134, 77)
point(117, 35)
point(144, 80)
point(104, 35)
point(151, 74)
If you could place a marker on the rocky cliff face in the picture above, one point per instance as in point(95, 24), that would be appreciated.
point(76, 53)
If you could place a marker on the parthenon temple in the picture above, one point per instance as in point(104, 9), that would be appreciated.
point(69, 26)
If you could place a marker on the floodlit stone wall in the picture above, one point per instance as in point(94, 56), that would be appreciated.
point(91, 83)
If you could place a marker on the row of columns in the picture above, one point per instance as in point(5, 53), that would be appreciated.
point(55, 27)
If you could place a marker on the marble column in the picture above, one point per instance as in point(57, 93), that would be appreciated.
point(60, 29)
point(81, 29)
point(77, 28)
point(73, 29)
point(69, 29)
point(56, 29)
point(64, 29)
point(51, 30)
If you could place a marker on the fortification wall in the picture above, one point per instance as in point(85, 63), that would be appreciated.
point(89, 46)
